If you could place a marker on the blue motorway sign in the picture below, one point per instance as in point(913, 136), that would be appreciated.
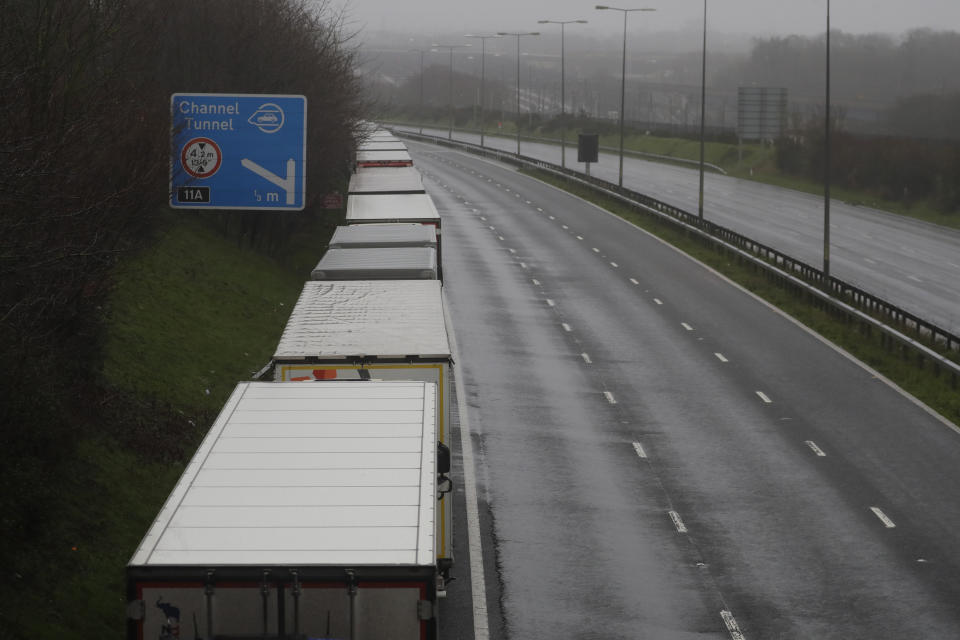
point(245, 151)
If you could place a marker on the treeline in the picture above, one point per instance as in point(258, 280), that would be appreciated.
point(84, 155)
point(898, 169)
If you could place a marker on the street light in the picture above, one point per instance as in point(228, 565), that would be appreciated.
point(703, 104)
point(563, 123)
point(826, 168)
point(623, 76)
point(483, 53)
point(518, 35)
point(451, 47)
point(421, 52)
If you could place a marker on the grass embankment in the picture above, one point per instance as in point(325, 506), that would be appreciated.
point(937, 390)
point(189, 318)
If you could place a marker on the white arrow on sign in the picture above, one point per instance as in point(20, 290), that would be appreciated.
point(288, 184)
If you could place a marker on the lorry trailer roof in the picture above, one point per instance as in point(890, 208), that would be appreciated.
point(326, 473)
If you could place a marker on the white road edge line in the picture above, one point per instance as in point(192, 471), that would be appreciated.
point(640, 450)
point(732, 626)
point(887, 522)
point(813, 447)
point(677, 522)
point(478, 588)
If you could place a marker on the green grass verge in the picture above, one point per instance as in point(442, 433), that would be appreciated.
point(193, 315)
point(937, 390)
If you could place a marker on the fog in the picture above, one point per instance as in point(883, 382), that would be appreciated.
point(751, 17)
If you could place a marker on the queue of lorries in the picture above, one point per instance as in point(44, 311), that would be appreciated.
point(319, 503)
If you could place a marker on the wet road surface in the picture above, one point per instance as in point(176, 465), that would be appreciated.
point(910, 263)
point(660, 455)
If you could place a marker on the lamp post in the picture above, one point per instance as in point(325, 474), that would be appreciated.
point(826, 167)
point(451, 47)
point(563, 123)
point(623, 76)
point(703, 105)
point(518, 35)
point(421, 52)
point(483, 55)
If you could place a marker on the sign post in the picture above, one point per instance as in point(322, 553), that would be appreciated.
point(243, 151)
point(588, 148)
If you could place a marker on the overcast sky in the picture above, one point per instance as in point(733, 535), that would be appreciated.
point(757, 17)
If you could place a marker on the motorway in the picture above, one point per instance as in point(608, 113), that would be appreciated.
point(912, 264)
point(661, 455)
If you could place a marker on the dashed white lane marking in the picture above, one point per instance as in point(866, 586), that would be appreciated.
point(535, 282)
point(586, 358)
point(634, 281)
point(551, 303)
point(614, 265)
point(523, 265)
point(595, 250)
point(484, 218)
point(639, 449)
point(492, 227)
point(686, 326)
point(915, 278)
point(527, 202)
point(500, 238)
point(565, 227)
point(579, 237)
point(732, 626)
point(721, 357)
point(539, 209)
point(609, 397)
point(813, 447)
point(658, 301)
point(566, 327)
point(764, 397)
point(887, 522)
point(512, 250)
point(552, 217)
point(677, 522)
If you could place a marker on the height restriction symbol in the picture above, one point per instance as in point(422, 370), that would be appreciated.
point(201, 157)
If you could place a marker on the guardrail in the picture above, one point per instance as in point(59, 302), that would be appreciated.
point(853, 302)
point(659, 157)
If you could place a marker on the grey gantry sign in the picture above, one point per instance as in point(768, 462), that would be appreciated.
point(761, 112)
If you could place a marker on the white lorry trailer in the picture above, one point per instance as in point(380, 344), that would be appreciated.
point(386, 180)
point(383, 158)
point(309, 511)
point(381, 329)
point(394, 208)
point(371, 236)
point(380, 263)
